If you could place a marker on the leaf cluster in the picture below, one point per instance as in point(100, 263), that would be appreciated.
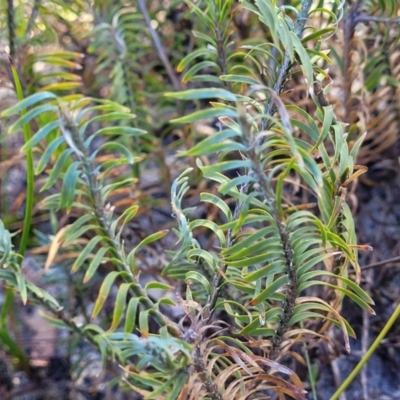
point(268, 265)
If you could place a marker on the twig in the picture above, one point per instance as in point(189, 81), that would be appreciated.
point(32, 18)
point(364, 348)
point(379, 263)
point(336, 377)
point(31, 389)
point(372, 18)
point(158, 45)
point(348, 33)
point(366, 329)
point(59, 313)
point(11, 27)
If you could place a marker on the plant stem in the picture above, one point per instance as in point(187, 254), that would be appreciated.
point(34, 13)
point(11, 27)
point(285, 66)
point(29, 170)
point(159, 47)
point(15, 349)
point(85, 334)
point(291, 291)
point(394, 317)
point(374, 18)
point(89, 169)
point(208, 382)
point(278, 86)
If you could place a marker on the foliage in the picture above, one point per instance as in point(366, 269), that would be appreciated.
point(264, 248)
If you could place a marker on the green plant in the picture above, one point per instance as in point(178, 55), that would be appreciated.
point(268, 267)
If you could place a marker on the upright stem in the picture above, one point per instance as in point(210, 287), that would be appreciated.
point(208, 382)
point(31, 22)
point(11, 27)
point(29, 170)
point(285, 66)
point(349, 27)
point(101, 216)
point(284, 234)
point(291, 288)
point(394, 317)
point(159, 47)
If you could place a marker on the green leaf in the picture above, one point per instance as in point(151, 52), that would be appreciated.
point(120, 303)
point(158, 285)
point(21, 105)
point(191, 56)
point(62, 86)
point(196, 276)
point(120, 130)
point(21, 284)
point(352, 285)
point(205, 146)
point(144, 323)
point(226, 166)
point(251, 328)
point(205, 114)
point(98, 258)
point(119, 147)
point(318, 34)
point(271, 269)
point(57, 323)
point(197, 67)
point(103, 292)
point(131, 314)
point(346, 292)
point(30, 115)
point(328, 118)
point(68, 188)
point(239, 79)
point(248, 240)
point(306, 65)
point(356, 146)
point(125, 217)
point(149, 239)
point(198, 94)
point(258, 259)
point(56, 171)
point(304, 267)
point(84, 254)
point(71, 229)
point(177, 385)
point(79, 232)
point(308, 315)
point(203, 36)
point(41, 134)
point(270, 290)
point(205, 255)
point(268, 16)
point(228, 185)
point(107, 189)
point(50, 149)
